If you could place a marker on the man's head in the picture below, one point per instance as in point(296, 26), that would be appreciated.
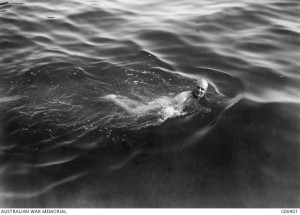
point(200, 88)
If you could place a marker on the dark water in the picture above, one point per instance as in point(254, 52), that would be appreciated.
point(83, 118)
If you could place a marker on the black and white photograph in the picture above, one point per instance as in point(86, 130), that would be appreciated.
point(149, 104)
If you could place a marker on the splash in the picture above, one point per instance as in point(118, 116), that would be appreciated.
point(147, 113)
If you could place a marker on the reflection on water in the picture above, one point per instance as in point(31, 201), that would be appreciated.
point(85, 112)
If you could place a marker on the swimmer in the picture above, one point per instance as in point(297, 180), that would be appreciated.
point(184, 99)
point(188, 102)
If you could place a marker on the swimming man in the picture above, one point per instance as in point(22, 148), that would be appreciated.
point(188, 100)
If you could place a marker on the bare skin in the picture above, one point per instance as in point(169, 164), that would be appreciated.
point(198, 92)
point(178, 102)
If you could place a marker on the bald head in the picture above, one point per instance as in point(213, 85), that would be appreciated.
point(201, 87)
point(202, 83)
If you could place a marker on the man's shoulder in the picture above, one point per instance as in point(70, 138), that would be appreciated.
point(185, 93)
point(181, 97)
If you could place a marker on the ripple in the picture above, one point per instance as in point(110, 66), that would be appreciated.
point(3, 2)
point(9, 99)
point(52, 161)
point(287, 95)
point(15, 43)
point(42, 191)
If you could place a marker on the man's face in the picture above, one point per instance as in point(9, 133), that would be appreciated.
point(201, 88)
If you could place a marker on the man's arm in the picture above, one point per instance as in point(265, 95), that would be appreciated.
point(181, 97)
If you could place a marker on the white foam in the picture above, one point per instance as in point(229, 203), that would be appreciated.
point(170, 112)
point(159, 109)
